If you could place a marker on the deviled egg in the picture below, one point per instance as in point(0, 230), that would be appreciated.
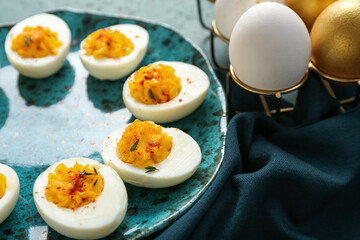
point(9, 191)
point(37, 46)
point(114, 52)
point(147, 155)
point(81, 198)
point(165, 91)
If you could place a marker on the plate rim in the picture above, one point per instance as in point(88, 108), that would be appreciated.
point(223, 124)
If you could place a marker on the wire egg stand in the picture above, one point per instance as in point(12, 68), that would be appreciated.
point(327, 80)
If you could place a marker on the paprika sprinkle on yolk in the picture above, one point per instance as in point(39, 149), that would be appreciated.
point(2, 185)
point(155, 84)
point(74, 187)
point(36, 42)
point(143, 144)
point(106, 43)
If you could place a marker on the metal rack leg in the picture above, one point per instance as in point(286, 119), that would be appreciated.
point(212, 48)
point(200, 16)
point(228, 94)
point(330, 91)
point(265, 105)
point(357, 94)
point(278, 102)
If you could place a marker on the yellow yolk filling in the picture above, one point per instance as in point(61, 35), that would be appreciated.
point(36, 42)
point(2, 185)
point(74, 187)
point(143, 144)
point(155, 84)
point(106, 43)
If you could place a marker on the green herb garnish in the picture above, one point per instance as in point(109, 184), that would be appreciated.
point(85, 173)
point(95, 171)
point(27, 39)
point(151, 169)
point(95, 182)
point(151, 95)
point(133, 147)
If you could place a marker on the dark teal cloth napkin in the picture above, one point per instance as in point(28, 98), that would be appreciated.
point(294, 179)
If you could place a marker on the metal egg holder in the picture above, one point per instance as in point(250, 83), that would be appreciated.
point(200, 14)
point(262, 93)
point(326, 79)
point(213, 31)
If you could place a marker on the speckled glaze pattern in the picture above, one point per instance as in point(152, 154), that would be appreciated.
point(70, 113)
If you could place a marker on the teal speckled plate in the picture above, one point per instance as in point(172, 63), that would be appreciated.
point(69, 115)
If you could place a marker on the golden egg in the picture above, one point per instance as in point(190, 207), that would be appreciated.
point(308, 10)
point(335, 40)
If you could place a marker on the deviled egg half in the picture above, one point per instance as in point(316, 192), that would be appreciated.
point(165, 91)
point(147, 155)
point(9, 191)
point(81, 198)
point(114, 52)
point(37, 46)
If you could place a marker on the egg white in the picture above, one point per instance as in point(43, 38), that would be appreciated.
point(191, 96)
point(227, 13)
point(92, 221)
point(9, 199)
point(39, 67)
point(270, 47)
point(116, 68)
point(181, 164)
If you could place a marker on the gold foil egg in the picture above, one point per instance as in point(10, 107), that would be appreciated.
point(308, 10)
point(335, 40)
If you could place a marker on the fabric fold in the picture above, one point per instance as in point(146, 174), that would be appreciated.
point(283, 181)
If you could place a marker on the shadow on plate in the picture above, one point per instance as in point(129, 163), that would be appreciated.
point(48, 91)
point(131, 119)
point(4, 108)
point(105, 95)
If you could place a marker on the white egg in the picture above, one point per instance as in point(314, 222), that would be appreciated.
point(181, 164)
point(92, 221)
point(116, 68)
point(9, 199)
point(227, 12)
point(270, 47)
point(39, 67)
point(194, 88)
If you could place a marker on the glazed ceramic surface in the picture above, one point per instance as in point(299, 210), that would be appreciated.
point(70, 113)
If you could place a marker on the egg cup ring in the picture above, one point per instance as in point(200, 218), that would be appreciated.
point(218, 33)
point(262, 93)
point(215, 31)
point(327, 80)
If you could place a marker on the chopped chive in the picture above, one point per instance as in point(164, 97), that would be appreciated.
point(27, 39)
point(95, 171)
point(151, 95)
point(151, 169)
point(133, 147)
point(82, 173)
point(85, 173)
point(95, 182)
